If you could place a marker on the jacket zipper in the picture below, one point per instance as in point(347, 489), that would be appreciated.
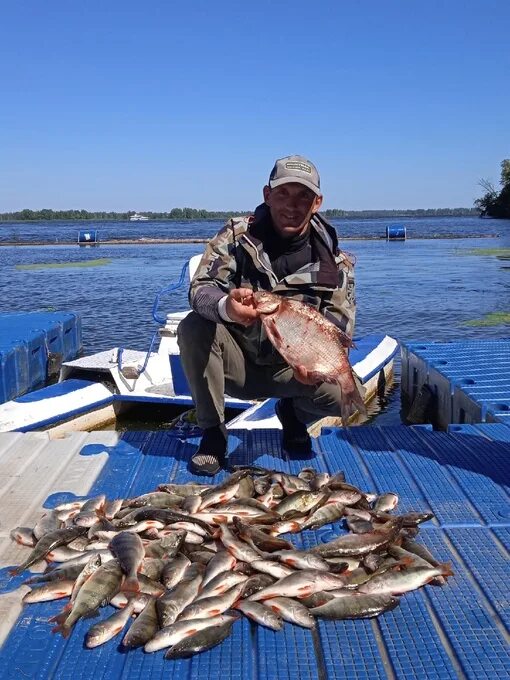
point(265, 267)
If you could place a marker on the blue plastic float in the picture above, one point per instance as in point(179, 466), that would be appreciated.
point(470, 379)
point(32, 345)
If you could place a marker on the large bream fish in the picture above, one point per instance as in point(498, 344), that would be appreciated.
point(305, 338)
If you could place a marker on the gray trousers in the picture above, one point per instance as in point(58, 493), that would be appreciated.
point(214, 364)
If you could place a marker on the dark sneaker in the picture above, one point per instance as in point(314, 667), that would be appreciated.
point(296, 439)
point(206, 464)
point(211, 455)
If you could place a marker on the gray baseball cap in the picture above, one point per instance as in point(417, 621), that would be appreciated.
point(295, 169)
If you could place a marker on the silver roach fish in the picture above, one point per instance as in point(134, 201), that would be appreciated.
point(186, 570)
point(305, 338)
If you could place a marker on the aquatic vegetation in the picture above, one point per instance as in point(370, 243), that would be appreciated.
point(492, 319)
point(64, 265)
point(498, 252)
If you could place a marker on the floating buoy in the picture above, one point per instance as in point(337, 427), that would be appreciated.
point(396, 232)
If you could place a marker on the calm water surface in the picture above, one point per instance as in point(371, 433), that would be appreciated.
point(417, 289)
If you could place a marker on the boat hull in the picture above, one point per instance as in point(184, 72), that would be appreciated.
point(78, 404)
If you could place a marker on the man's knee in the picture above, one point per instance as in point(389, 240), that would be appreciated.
point(326, 400)
point(330, 396)
point(194, 329)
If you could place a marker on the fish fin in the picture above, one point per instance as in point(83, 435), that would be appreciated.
point(344, 339)
point(268, 596)
point(273, 332)
point(304, 591)
point(131, 585)
point(437, 581)
point(64, 630)
point(350, 401)
point(92, 614)
point(405, 562)
point(321, 602)
point(446, 569)
point(60, 618)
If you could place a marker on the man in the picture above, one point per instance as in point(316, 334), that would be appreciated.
point(285, 247)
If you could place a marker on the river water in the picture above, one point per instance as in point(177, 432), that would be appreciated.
point(425, 288)
point(417, 227)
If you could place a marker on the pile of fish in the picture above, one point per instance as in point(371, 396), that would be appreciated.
point(184, 562)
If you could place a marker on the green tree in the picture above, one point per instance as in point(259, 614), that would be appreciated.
point(492, 203)
point(505, 172)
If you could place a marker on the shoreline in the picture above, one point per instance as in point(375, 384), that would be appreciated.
point(184, 241)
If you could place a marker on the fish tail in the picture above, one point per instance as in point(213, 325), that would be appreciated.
point(64, 630)
point(446, 569)
point(351, 400)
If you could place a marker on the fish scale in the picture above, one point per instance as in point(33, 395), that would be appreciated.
point(305, 338)
point(308, 351)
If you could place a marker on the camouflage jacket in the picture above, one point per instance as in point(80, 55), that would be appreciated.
point(235, 258)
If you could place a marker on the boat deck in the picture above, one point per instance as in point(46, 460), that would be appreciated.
point(460, 630)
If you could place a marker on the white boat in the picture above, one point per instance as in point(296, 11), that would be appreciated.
point(138, 218)
point(94, 390)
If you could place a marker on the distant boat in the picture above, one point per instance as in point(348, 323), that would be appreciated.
point(138, 218)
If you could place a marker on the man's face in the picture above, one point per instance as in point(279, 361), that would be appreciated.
point(291, 206)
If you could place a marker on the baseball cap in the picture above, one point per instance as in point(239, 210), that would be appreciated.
point(295, 169)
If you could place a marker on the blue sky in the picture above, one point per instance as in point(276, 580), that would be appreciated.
point(148, 106)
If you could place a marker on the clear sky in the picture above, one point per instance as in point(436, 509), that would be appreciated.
point(131, 105)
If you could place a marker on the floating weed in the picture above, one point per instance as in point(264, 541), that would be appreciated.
point(498, 252)
point(64, 265)
point(493, 319)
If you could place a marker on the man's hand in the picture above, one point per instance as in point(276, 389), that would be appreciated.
point(303, 376)
point(240, 306)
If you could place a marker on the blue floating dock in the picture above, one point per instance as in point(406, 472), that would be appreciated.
point(32, 347)
point(458, 631)
point(470, 380)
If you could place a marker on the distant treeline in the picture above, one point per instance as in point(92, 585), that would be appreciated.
point(496, 203)
point(418, 212)
point(197, 214)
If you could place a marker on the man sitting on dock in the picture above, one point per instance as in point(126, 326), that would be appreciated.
point(285, 247)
